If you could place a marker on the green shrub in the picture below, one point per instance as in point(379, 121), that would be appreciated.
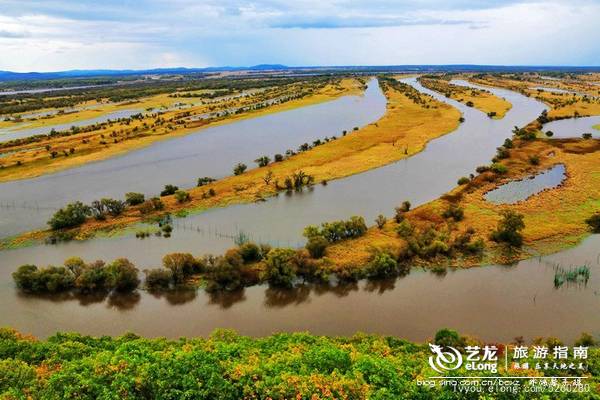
point(134, 199)
point(316, 246)
point(594, 222)
point(182, 196)
point(205, 181)
point(250, 252)
point(498, 168)
point(181, 265)
point(169, 190)
point(455, 212)
point(463, 180)
point(72, 215)
point(448, 337)
point(158, 278)
point(123, 275)
point(509, 229)
point(382, 265)
point(280, 270)
point(534, 160)
point(239, 169)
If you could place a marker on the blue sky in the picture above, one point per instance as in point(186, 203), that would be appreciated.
point(55, 35)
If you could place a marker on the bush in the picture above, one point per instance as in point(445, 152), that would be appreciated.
point(181, 265)
point(134, 199)
point(534, 160)
point(455, 212)
point(278, 157)
point(594, 222)
point(182, 196)
point(463, 180)
point(262, 161)
point(223, 276)
point(549, 133)
point(380, 221)
point(280, 270)
point(239, 169)
point(382, 265)
point(405, 229)
point(316, 246)
point(338, 230)
point(498, 168)
point(250, 252)
point(123, 275)
point(587, 136)
point(93, 278)
point(72, 215)
point(586, 340)
point(448, 337)
point(509, 229)
point(169, 190)
point(469, 104)
point(205, 180)
point(158, 278)
point(113, 207)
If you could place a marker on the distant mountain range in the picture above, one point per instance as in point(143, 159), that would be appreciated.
point(12, 76)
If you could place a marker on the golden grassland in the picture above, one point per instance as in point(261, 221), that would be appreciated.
point(404, 130)
point(562, 105)
point(32, 159)
point(482, 100)
point(554, 219)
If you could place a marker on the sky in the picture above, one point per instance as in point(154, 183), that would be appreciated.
point(53, 35)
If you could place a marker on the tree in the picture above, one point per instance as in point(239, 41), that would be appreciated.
point(316, 246)
point(448, 337)
point(239, 169)
point(205, 180)
point(268, 177)
point(133, 199)
point(509, 229)
point(250, 252)
point(72, 215)
point(182, 196)
point(123, 275)
point(93, 278)
point(280, 271)
point(158, 278)
point(382, 265)
point(380, 221)
point(262, 161)
point(169, 190)
point(181, 265)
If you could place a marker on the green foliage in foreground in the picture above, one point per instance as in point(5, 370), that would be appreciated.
point(224, 366)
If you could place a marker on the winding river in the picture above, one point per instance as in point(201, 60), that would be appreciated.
point(27, 204)
point(496, 302)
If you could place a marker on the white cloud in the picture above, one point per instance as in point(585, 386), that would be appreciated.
point(60, 35)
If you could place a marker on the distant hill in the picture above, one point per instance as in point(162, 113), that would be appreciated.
point(12, 76)
point(77, 73)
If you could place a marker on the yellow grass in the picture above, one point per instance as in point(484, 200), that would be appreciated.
point(403, 131)
point(554, 219)
point(34, 159)
point(481, 99)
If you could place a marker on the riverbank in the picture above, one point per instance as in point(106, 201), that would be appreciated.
point(411, 120)
point(492, 105)
point(554, 219)
point(229, 366)
point(35, 159)
point(562, 105)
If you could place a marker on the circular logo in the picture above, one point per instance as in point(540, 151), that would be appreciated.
point(448, 360)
